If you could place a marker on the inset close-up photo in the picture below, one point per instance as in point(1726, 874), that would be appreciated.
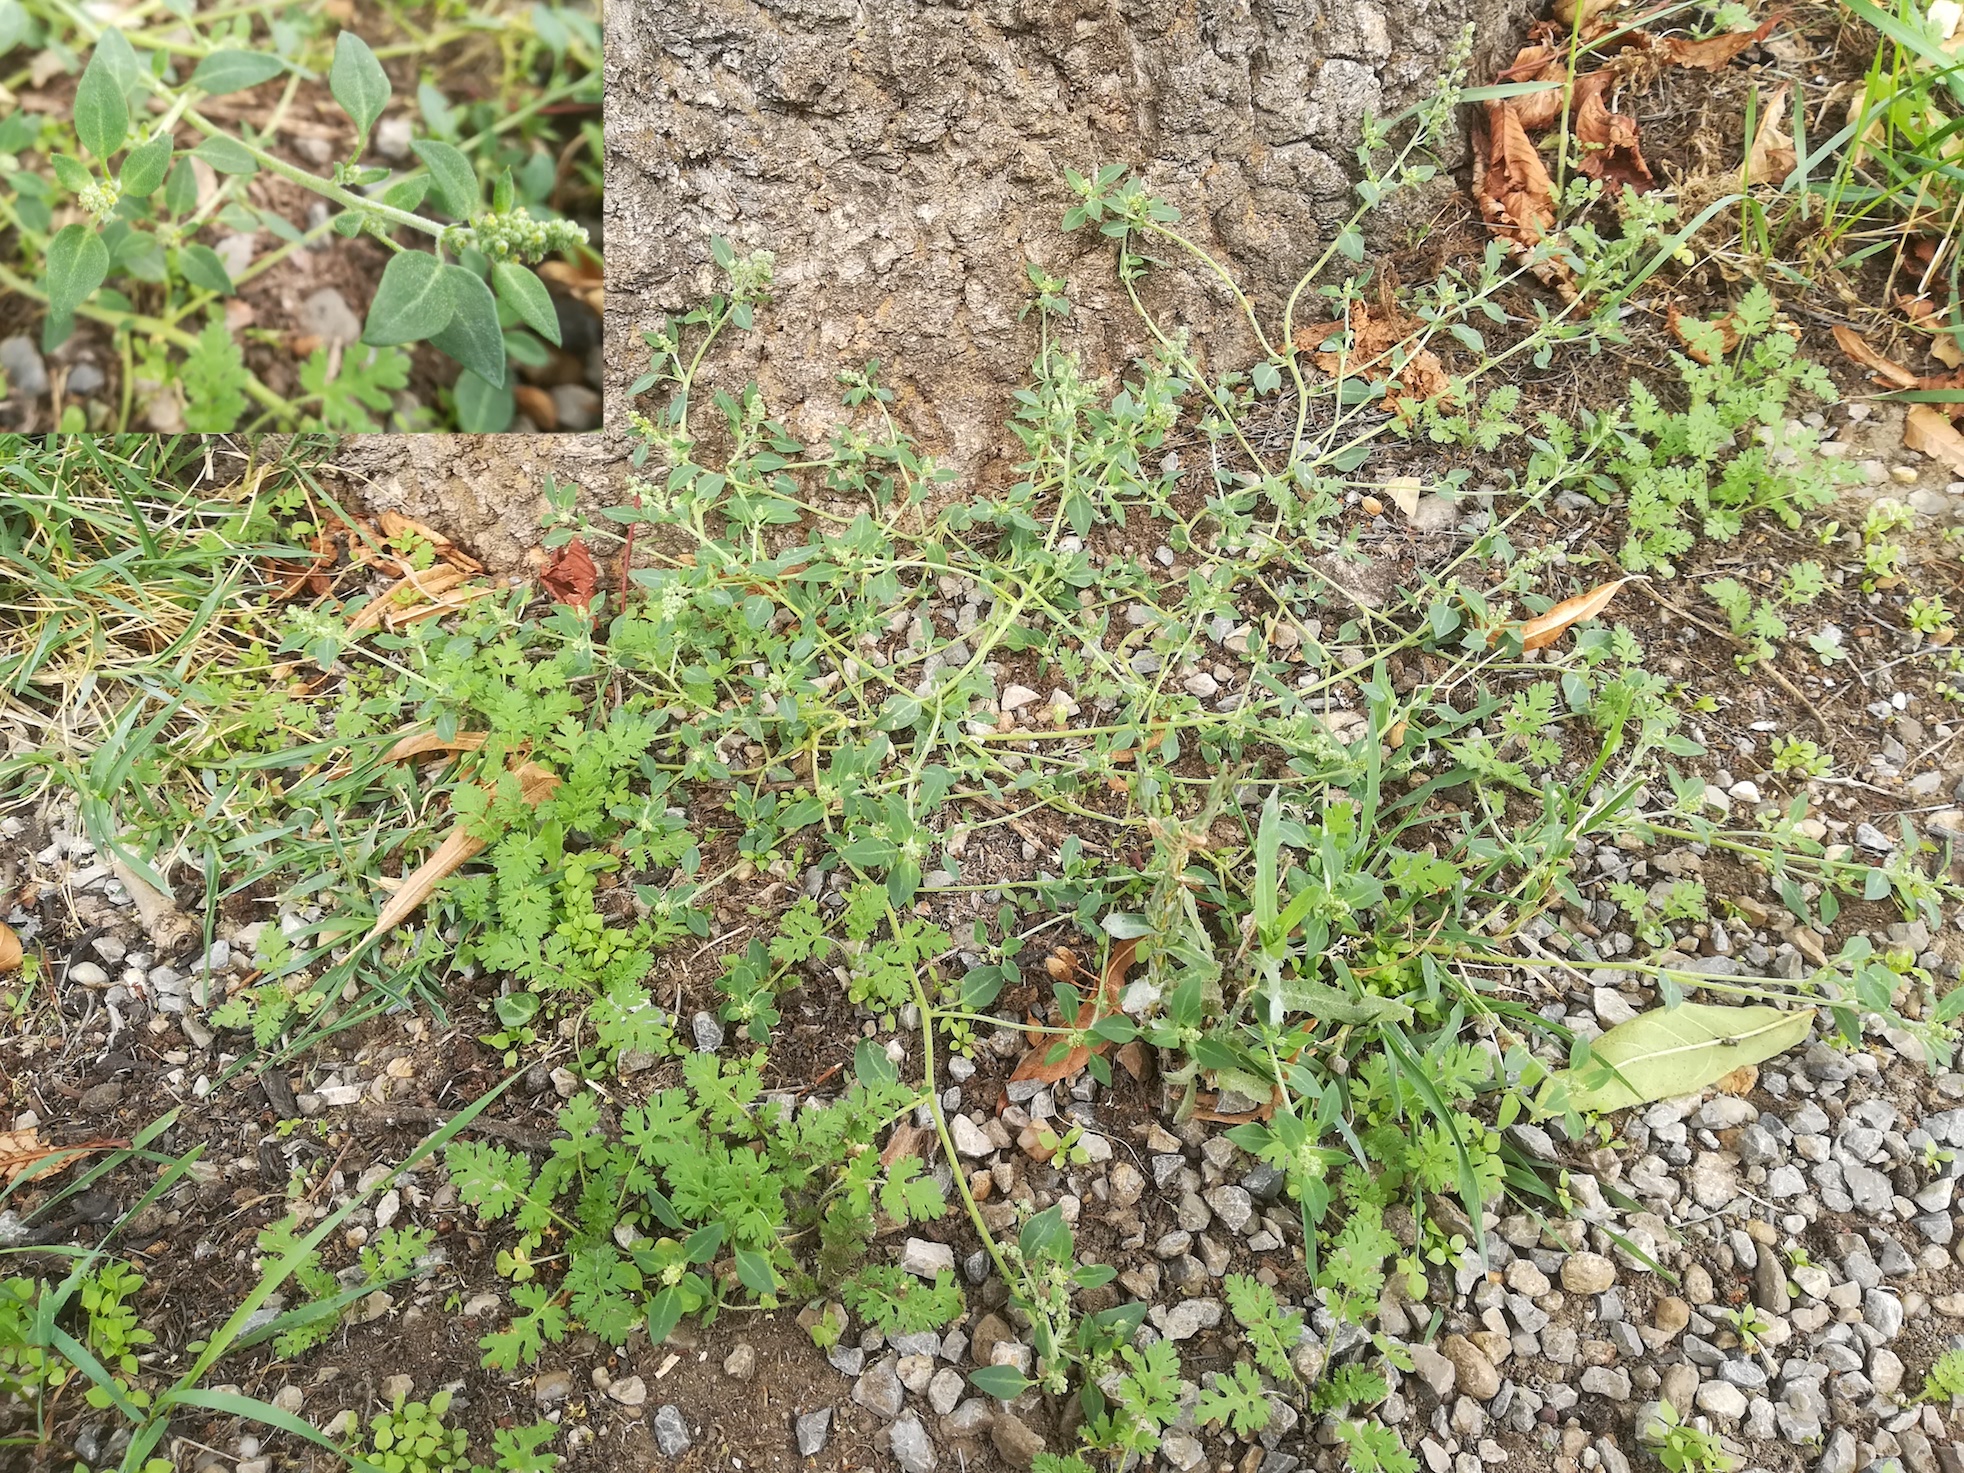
point(310, 215)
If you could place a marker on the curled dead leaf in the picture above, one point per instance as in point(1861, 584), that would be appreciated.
point(1515, 193)
point(10, 949)
point(1544, 629)
point(1608, 139)
point(1707, 342)
point(1772, 158)
point(1570, 13)
point(1858, 350)
point(1934, 319)
point(420, 743)
point(1928, 430)
point(571, 576)
point(535, 785)
point(1103, 1003)
point(1714, 52)
point(1541, 61)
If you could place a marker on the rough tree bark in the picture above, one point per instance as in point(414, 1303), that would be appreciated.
point(903, 159)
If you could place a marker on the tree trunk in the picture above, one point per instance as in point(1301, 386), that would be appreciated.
point(905, 159)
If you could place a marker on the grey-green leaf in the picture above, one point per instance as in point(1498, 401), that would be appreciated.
point(114, 51)
point(202, 267)
point(77, 263)
point(412, 302)
point(481, 409)
point(473, 337)
point(102, 116)
point(144, 167)
point(1677, 1051)
point(13, 25)
point(226, 155)
point(234, 71)
point(523, 292)
point(456, 180)
point(1332, 1005)
point(359, 84)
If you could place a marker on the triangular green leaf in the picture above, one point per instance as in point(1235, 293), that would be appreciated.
point(144, 167)
point(522, 291)
point(456, 181)
point(226, 155)
point(473, 337)
point(102, 116)
point(234, 71)
point(412, 302)
point(358, 83)
point(77, 263)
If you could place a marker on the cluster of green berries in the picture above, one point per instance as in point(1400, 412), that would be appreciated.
point(514, 236)
point(99, 198)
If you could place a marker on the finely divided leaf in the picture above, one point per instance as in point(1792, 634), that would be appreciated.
point(359, 84)
point(234, 71)
point(473, 337)
point(412, 302)
point(523, 292)
point(1676, 1051)
point(456, 180)
point(77, 263)
point(102, 116)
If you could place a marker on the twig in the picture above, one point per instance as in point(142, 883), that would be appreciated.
point(170, 930)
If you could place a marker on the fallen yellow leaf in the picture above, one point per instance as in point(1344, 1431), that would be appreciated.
point(1856, 347)
point(10, 948)
point(20, 1149)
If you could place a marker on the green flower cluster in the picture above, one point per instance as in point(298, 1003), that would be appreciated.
point(514, 236)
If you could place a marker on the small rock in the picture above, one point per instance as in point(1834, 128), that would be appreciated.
point(101, 1099)
point(671, 1432)
point(1838, 1456)
point(1435, 1370)
point(911, 1448)
point(1015, 1440)
point(879, 1389)
point(1477, 1376)
point(632, 1392)
point(924, 1259)
point(741, 1362)
point(1587, 1273)
point(813, 1429)
point(969, 1139)
point(1721, 1399)
point(326, 314)
point(551, 1386)
point(392, 138)
point(944, 1391)
point(577, 406)
point(708, 1032)
point(1016, 697)
point(27, 373)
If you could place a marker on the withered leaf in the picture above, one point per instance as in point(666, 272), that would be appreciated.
point(535, 785)
point(1101, 1004)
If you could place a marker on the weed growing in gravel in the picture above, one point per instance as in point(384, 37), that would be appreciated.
point(410, 1438)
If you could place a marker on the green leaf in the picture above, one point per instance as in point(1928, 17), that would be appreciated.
point(181, 188)
point(522, 291)
point(473, 336)
point(1046, 1235)
point(102, 115)
point(1676, 1051)
point(226, 155)
point(234, 71)
point(407, 194)
point(1004, 1383)
point(871, 1066)
point(71, 173)
point(13, 25)
point(456, 180)
point(202, 267)
point(1331, 1005)
point(359, 84)
point(754, 1270)
point(481, 409)
point(214, 379)
point(144, 167)
point(412, 302)
point(77, 263)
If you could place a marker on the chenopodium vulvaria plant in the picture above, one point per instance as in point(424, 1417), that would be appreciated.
point(141, 201)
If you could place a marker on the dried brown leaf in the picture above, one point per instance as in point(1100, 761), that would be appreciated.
point(1539, 62)
point(20, 1149)
point(1927, 429)
point(571, 576)
point(1608, 139)
point(10, 949)
point(1696, 343)
point(1572, 12)
point(1543, 630)
point(428, 741)
point(535, 785)
point(1515, 193)
point(1772, 158)
point(1714, 52)
point(1102, 1004)
point(1858, 350)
